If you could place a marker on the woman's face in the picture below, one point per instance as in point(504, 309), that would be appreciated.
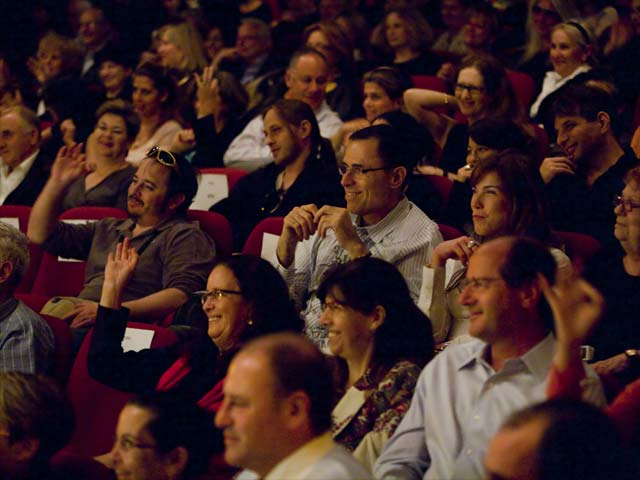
point(171, 56)
point(566, 55)
point(471, 94)
point(490, 206)
point(113, 75)
point(545, 17)
point(395, 31)
point(635, 16)
point(376, 101)
point(320, 42)
point(50, 62)
point(111, 136)
point(477, 153)
point(213, 43)
point(477, 34)
point(228, 315)
point(147, 99)
point(350, 332)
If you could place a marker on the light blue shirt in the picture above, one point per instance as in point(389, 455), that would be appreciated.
point(459, 403)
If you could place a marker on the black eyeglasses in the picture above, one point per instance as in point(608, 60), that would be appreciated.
point(472, 89)
point(358, 170)
point(628, 205)
point(216, 293)
point(164, 157)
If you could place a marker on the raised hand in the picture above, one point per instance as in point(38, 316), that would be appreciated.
point(338, 220)
point(298, 225)
point(69, 165)
point(460, 248)
point(117, 273)
point(552, 166)
point(207, 94)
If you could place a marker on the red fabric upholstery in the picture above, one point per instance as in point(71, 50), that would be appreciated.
point(253, 245)
point(429, 82)
point(97, 406)
point(56, 278)
point(523, 86)
point(578, 247)
point(63, 354)
point(448, 232)
point(217, 227)
point(443, 186)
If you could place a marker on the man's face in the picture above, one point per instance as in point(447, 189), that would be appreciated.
point(17, 140)
point(148, 202)
point(307, 80)
point(369, 195)
point(281, 139)
point(249, 44)
point(92, 28)
point(491, 302)
point(251, 416)
point(578, 137)
point(134, 452)
point(512, 452)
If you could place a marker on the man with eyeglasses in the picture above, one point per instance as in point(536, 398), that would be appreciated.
point(581, 183)
point(160, 437)
point(378, 221)
point(175, 255)
point(465, 393)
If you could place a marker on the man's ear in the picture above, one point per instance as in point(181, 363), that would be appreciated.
point(24, 450)
point(297, 407)
point(304, 129)
point(604, 121)
point(175, 462)
point(6, 269)
point(176, 200)
point(530, 294)
point(287, 78)
point(398, 174)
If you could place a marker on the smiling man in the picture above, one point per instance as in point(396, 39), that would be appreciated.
point(465, 393)
point(306, 79)
point(378, 221)
point(581, 184)
point(175, 255)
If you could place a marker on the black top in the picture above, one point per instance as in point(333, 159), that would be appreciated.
point(211, 145)
point(575, 207)
point(28, 190)
point(427, 63)
point(454, 152)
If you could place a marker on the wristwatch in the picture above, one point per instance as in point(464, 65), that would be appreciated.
point(633, 356)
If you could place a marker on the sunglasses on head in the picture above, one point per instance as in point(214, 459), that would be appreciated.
point(163, 157)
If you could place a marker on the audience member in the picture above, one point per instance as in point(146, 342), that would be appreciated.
point(214, 41)
point(25, 168)
point(26, 341)
point(378, 221)
point(160, 437)
point(454, 16)
point(154, 100)
point(276, 413)
point(581, 184)
point(35, 422)
point(306, 80)
point(115, 66)
point(304, 172)
point(175, 255)
point(467, 391)
point(481, 29)
point(94, 32)
point(381, 341)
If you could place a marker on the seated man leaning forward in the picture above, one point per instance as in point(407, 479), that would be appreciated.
point(466, 392)
point(276, 413)
point(378, 221)
point(175, 255)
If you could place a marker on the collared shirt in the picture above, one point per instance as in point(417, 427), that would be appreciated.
point(26, 341)
point(249, 150)
point(177, 254)
point(459, 403)
point(9, 181)
point(552, 82)
point(252, 69)
point(405, 238)
point(318, 459)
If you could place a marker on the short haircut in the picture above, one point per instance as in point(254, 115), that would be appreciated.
point(584, 101)
point(301, 52)
point(298, 365)
point(117, 54)
point(391, 147)
point(14, 248)
point(124, 110)
point(33, 406)
point(579, 441)
point(500, 133)
point(182, 179)
point(178, 423)
point(26, 115)
point(392, 80)
point(368, 282)
point(416, 138)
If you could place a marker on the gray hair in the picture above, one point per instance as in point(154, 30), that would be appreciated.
point(14, 248)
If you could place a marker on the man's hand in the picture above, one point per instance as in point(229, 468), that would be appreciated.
point(298, 225)
point(338, 220)
point(207, 95)
point(84, 315)
point(183, 141)
point(552, 166)
point(68, 166)
point(458, 249)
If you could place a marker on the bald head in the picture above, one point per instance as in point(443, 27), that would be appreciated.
point(307, 77)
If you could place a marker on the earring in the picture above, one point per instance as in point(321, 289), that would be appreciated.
point(250, 322)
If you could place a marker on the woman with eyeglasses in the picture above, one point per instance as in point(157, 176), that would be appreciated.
point(482, 90)
point(381, 341)
point(154, 102)
point(303, 171)
point(507, 199)
point(107, 181)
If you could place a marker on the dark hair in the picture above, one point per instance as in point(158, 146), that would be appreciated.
point(579, 441)
point(267, 294)
point(523, 186)
point(33, 406)
point(294, 112)
point(368, 282)
point(417, 139)
point(583, 101)
point(339, 44)
point(391, 146)
point(177, 423)
point(162, 81)
point(123, 110)
point(502, 98)
point(298, 365)
point(232, 93)
point(116, 54)
point(419, 32)
point(392, 80)
point(500, 133)
point(182, 179)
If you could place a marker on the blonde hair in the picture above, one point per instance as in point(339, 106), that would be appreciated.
point(71, 52)
point(185, 36)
